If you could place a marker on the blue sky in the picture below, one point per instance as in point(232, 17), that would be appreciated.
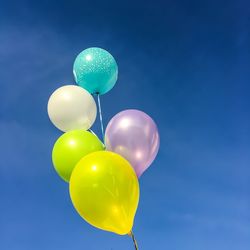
point(185, 63)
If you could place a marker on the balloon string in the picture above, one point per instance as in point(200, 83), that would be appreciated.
point(100, 114)
point(134, 240)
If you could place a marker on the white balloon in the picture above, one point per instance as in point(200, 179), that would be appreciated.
point(71, 107)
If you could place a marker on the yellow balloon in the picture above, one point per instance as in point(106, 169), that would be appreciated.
point(105, 191)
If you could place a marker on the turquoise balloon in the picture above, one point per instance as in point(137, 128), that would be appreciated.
point(95, 70)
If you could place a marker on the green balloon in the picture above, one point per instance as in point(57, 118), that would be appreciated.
point(70, 148)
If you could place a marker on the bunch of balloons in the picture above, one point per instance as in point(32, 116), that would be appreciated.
point(103, 177)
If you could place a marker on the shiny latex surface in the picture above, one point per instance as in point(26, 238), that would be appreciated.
point(70, 148)
point(134, 135)
point(95, 70)
point(71, 107)
point(105, 191)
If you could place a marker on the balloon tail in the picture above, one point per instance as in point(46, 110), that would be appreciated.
point(100, 114)
point(134, 240)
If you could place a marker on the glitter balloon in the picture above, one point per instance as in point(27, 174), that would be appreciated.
point(95, 70)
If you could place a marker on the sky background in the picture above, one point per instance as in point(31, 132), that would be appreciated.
point(186, 64)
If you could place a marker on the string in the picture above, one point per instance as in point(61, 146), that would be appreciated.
point(134, 240)
point(100, 114)
point(101, 122)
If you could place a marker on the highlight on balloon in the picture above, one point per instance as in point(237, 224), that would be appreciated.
point(102, 175)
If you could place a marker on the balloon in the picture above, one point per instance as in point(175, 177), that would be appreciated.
point(70, 148)
point(95, 69)
point(104, 190)
point(71, 107)
point(134, 135)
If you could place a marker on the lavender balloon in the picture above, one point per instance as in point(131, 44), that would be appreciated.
point(134, 135)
